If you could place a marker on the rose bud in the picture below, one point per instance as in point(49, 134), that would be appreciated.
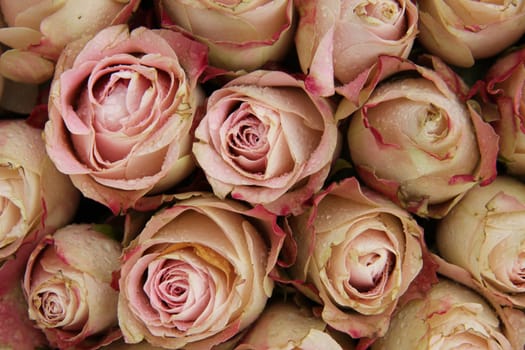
point(286, 325)
point(416, 141)
point(35, 199)
point(341, 39)
point(451, 316)
point(68, 286)
point(241, 35)
point(121, 113)
point(197, 274)
point(488, 224)
point(37, 31)
point(505, 85)
point(265, 140)
point(462, 31)
point(357, 254)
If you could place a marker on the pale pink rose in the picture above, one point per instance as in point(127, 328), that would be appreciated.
point(488, 224)
point(198, 273)
point(451, 316)
point(121, 113)
point(337, 40)
point(357, 254)
point(68, 286)
point(35, 199)
point(506, 85)
point(463, 31)
point(38, 30)
point(286, 325)
point(416, 140)
point(265, 140)
point(241, 35)
point(512, 319)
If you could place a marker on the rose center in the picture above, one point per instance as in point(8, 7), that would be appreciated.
point(247, 143)
point(434, 123)
point(368, 266)
point(51, 306)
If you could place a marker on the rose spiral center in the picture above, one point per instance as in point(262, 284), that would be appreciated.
point(369, 266)
point(170, 288)
point(247, 143)
point(51, 306)
point(385, 17)
point(434, 123)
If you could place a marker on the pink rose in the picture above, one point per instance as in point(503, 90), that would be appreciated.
point(37, 31)
point(418, 142)
point(451, 316)
point(341, 39)
point(265, 140)
point(35, 198)
point(121, 112)
point(505, 85)
point(68, 286)
point(462, 31)
point(488, 224)
point(241, 35)
point(357, 254)
point(198, 273)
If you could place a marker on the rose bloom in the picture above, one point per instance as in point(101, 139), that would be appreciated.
point(285, 325)
point(505, 86)
point(37, 31)
point(416, 141)
point(451, 316)
point(241, 35)
point(121, 111)
point(265, 140)
point(35, 199)
point(68, 286)
point(197, 274)
point(357, 253)
point(488, 223)
point(462, 31)
point(343, 38)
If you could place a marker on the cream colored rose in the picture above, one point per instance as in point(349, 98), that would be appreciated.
point(338, 40)
point(241, 35)
point(357, 254)
point(196, 275)
point(451, 316)
point(286, 325)
point(489, 223)
point(35, 198)
point(462, 31)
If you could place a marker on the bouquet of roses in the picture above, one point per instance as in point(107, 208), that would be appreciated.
point(264, 174)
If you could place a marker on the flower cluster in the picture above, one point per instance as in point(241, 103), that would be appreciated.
point(262, 174)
